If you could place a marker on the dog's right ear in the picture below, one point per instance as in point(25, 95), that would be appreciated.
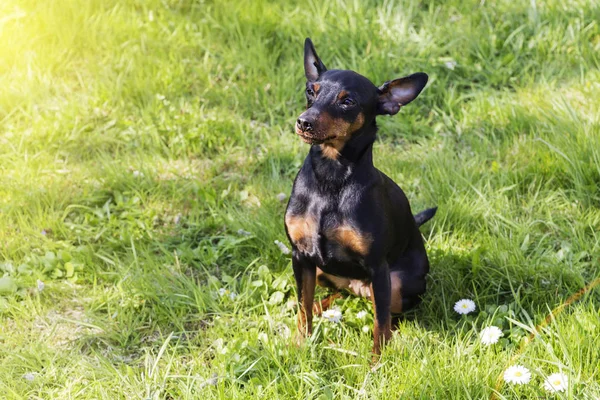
point(313, 66)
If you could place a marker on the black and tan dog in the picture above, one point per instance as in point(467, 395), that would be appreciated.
point(350, 226)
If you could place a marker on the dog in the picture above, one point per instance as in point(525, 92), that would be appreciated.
point(349, 225)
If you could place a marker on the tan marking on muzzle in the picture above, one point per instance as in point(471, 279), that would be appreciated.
point(342, 130)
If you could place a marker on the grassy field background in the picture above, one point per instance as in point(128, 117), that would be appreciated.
point(142, 148)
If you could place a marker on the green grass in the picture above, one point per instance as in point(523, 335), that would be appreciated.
point(138, 137)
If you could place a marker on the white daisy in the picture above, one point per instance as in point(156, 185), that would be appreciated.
point(517, 374)
point(220, 346)
point(223, 292)
point(232, 295)
point(464, 306)
point(281, 197)
point(557, 382)
point(490, 335)
point(450, 64)
point(333, 315)
point(263, 337)
point(366, 329)
point(282, 247)
point(29, 376)
point(361, 314)
point(283, 331)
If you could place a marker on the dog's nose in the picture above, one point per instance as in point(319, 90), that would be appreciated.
point(304, 125)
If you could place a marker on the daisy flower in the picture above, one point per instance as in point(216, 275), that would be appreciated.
point(263, 337)
point(557, 382)
point(29, 376)
point(450, 64)
point(464, 306)
point(283, 331)
point(517, 374)
point(490, 335)
point(361, 314)
point(282, 247)
point(332, 315)
point(281, 197)
point(225, 292)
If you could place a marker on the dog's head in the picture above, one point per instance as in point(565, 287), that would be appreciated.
point(341, 102)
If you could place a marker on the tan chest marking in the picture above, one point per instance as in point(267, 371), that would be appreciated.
point(351, 238)
point(302, 231)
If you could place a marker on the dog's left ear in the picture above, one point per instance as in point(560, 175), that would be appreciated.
point(399, 92)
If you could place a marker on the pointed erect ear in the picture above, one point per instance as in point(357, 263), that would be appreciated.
point(313, 67)
point(399, 92)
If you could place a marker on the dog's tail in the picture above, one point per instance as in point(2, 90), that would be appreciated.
point(425, 216)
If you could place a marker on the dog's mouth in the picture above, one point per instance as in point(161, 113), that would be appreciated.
point(310, 139)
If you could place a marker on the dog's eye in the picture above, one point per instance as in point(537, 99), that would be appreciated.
point(310, 92)
point(348, 102)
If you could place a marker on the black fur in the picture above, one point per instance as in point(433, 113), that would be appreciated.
point(341, 204)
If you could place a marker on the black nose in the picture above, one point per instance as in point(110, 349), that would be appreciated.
point(304, 125)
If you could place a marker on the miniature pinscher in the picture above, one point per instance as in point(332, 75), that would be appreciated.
point(350, 226)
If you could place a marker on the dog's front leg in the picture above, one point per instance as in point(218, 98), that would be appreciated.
point(381, 296)
point(305, 274)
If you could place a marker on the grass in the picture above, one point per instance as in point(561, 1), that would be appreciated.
point(142, 148)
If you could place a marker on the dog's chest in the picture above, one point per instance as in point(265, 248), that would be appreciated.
point(326, 236)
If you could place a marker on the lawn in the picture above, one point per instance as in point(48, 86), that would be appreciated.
point(143, 148)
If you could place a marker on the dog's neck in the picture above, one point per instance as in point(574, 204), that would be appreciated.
point(334, 171)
